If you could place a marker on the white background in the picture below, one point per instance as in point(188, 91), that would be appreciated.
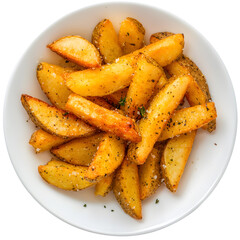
point(22, 217)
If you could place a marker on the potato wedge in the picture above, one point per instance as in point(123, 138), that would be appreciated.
point(51, 80)
point(126, 189)
point(111, 78)
point(78, 50)
point(43, 141)
point(65, 176)
point(188, 119)
point(101, 102)
point(108, 157)
point(102, 118)
point(104, 186)
point(157, 115)
point(79, 151)
point(146, 76)
point(198, 91)
point(54, 120)
point(159, 36)
point(150, 175)
point(131, 35)
point(105, 39)
point(174, 159)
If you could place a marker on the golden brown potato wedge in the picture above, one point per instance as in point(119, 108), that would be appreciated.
point(126, 189)
point(159, 36)
point(105, 39)
point(77, 50)
point(43, 141)
point(102, 118)
point(174, 159)
point(111, 78)
point(131, 35)
point(79, 151)
point(54, 120)
point(101, 102)
point(157, 115)
point(146, 76)
point(65, 176)
point(104, 186)
point(189, 119)
point(108, 157)
point(51, 80)
point(150, 175)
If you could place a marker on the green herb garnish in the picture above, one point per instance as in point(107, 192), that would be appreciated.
point(157, 201)
point(122, 101)
point(142, 111)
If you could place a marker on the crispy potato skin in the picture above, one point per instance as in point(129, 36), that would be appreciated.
point(51, 80)
point(150, 175)
point(159, 36)
point(105, 39)
point(108, 157)
point(111, 78)
point(104, 186)
point(189, 119)
point(126, 189)
point(102, 118)
point(159, 112)
point(131, 35)
point(79, 151)
point(53, 120)
point(77, 50)
point(64, 175)
point(174, 159)
point(43, 141)
point(146, 76)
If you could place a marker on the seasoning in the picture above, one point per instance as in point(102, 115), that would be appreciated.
point(142, 111)
point(157, 201)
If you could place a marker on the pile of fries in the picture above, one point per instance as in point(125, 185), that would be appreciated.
point(117, 119)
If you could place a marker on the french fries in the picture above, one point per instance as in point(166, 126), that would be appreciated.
point(131, 35)
point(105, 39)
point(54, 120)
point(158, 113)
point(115, 122)
point(51, 80)
point(108, 157)
point(174, 159)
point(126, 189)
point(145, 78)
point(42, 140)
point(188, 119)
point(65, 176)
point(77, 50)
point(111, 78)
point(150, 175)
point(103, 118)
point(79, 151)
point(104, 186)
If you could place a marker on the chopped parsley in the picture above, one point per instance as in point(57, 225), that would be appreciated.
point(85, 205)
point(66, 113)
point(122, 101)
point(157, 201)
point(142, 111)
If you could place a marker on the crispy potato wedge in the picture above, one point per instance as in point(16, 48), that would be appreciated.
point(79, 151)
point(131, 35)
point(108, 157)
point(102, 118)
point(78, 50)
point(42, 140)
point(101, 102)
point(157, 115)
point(54, 120)
point(188, 119)
point(146, 76)
point(126, 189)
point(174, 159)
point(104, 186)
point(111, 78)
point(51, 80)
point(105, 39)
point(198, 91)
point(150, 175)
point(65, 176)
point(159, 36)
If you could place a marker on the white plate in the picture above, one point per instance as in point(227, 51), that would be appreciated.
point(207, 162)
